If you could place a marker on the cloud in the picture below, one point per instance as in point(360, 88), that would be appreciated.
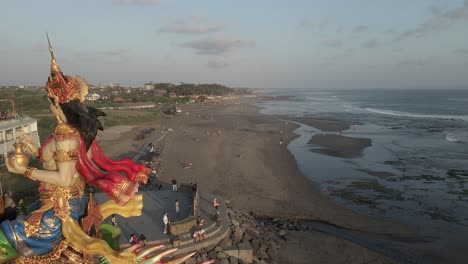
point(114, 52)
point(217, 45)
point(192, 26)
point(442, 19)
point(360, 29)
point(416, 62)
point(370, 44)
point(306, 23)
point(334, 43)
point(137, 2)
point(220, 62)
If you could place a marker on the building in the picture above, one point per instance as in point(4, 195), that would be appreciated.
point(9, 131)
point(93, 97)
point(119, 100)
point(160, 92)
point(172, 95)
point(149, 86)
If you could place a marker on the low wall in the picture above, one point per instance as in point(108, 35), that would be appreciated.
point(183, 226)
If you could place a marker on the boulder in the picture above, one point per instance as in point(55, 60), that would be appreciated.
point(261, 254)
point(273, 253)
point(273, 244)
point(212, 254)
point(221, 255)
point(232, 251)
point(218, 248)
point(233, 260)
point(237, 234)
point(226, 243)
point(235, 222)
point(256, 243)
point(245, 252)
point(223, 261)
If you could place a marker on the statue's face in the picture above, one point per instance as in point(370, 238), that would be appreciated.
point(55, 108)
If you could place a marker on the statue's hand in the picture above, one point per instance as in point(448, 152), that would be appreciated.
point(14, 167)
point(30, 146)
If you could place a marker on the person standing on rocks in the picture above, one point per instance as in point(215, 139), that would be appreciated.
point(215, 203)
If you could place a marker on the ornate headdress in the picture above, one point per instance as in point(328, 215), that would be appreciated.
point(62, 86)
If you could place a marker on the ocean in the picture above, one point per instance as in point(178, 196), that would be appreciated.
point(415, 171)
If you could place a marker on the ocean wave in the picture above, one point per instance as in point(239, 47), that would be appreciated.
point(454, 137)
point(416, 115)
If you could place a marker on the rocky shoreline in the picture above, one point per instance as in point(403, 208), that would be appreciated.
point(259, 244)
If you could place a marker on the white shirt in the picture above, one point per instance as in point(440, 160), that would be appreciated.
point(165, 219)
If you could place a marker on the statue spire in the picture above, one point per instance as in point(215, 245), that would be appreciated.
point(54, 67)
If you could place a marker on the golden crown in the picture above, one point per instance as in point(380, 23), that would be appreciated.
point(59, 85)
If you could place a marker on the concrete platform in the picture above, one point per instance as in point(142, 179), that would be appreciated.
point(155, 203)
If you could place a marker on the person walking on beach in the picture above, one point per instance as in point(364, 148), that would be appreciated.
point(215, 203)
point(174, 185)
point(177, 204)
point(166, 222)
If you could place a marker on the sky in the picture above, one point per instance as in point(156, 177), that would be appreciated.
point(333, 44)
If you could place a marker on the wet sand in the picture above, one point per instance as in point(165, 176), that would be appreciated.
point(325, 125)
point(339, 146)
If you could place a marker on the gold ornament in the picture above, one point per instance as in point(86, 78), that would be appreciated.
point(19, 156)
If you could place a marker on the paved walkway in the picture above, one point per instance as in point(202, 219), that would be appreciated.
point(155, 203)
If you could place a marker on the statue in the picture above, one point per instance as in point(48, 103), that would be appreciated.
point(58, 231)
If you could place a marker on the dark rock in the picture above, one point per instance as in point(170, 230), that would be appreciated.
point(273, 253)
point(272, 244)
point(261, 254)
point(223, 261)
point(221, 255)
point(212, 254)
point(237, 234)
point(226, 243)
point(233, 260)
point(256, 243)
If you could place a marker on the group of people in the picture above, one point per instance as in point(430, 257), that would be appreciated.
point(199, 235)
point(134, 239)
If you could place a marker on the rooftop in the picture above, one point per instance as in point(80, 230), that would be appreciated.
point(14, 122)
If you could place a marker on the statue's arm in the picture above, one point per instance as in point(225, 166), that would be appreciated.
point(65, 159)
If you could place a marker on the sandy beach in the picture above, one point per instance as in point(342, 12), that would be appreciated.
point(236, 153)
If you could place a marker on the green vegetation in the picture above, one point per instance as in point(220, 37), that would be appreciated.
point(127, 117)
point(190, 89)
